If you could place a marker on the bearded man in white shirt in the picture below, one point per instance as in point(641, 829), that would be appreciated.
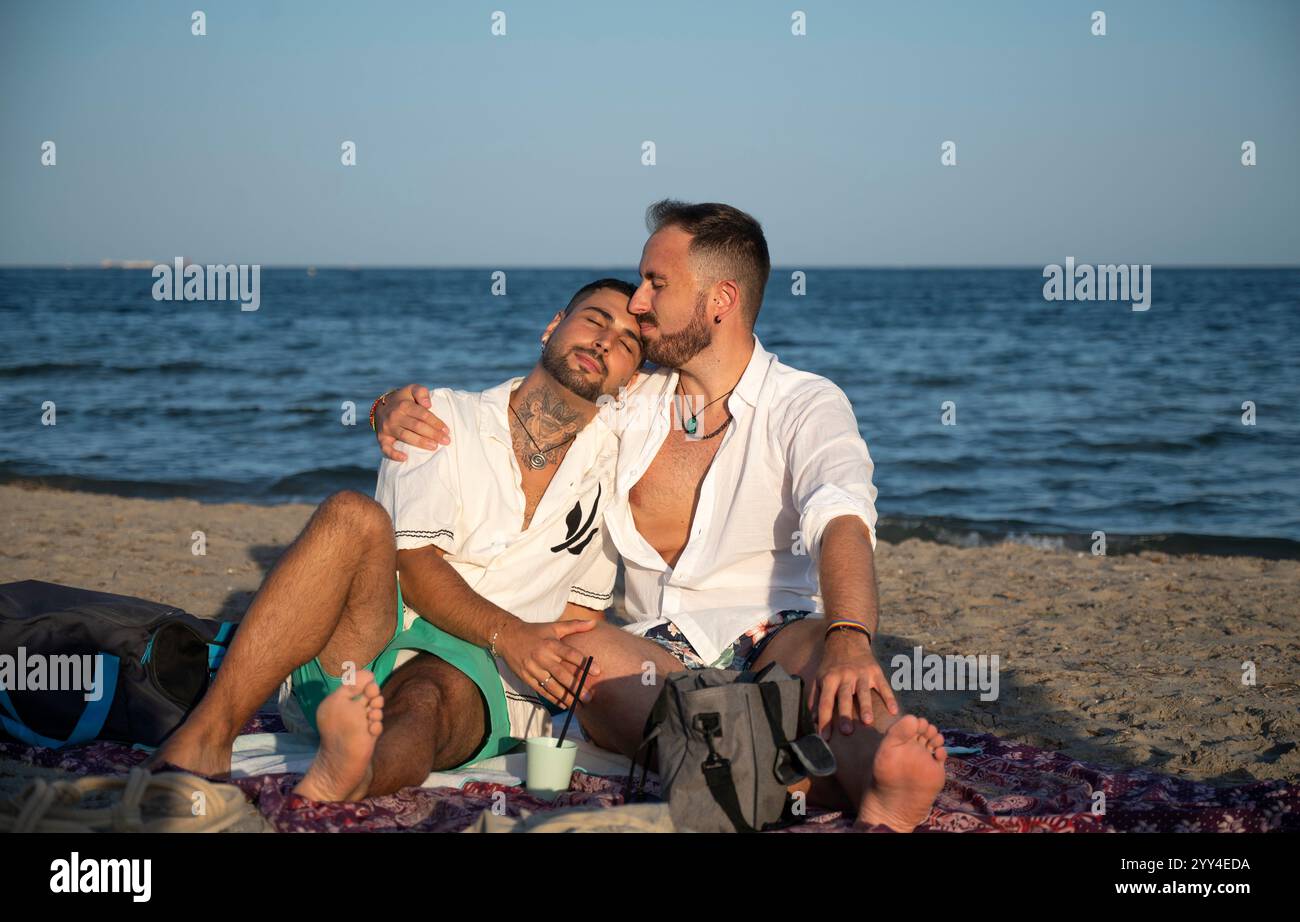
point(747, 521)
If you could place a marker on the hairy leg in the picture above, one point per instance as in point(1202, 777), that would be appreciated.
point(631, 672)
point(332, 594)
point(434, 719)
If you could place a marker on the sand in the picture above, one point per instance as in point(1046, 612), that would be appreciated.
point(1131, 661)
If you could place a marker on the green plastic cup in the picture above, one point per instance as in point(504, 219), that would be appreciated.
point(549, 768)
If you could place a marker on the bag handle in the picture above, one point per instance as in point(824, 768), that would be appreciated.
point(649, 742)
point(88, 725)
point(785, 769)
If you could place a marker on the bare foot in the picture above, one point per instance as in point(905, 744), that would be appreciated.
point(193, 752)
point(907, 775)
point(350, 720)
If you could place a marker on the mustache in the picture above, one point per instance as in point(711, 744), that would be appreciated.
point(600, 362)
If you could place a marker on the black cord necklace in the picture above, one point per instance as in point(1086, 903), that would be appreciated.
point(537, 460)
point(725, 424)
point(690, 425)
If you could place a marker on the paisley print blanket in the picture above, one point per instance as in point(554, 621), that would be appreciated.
point(1004, 787)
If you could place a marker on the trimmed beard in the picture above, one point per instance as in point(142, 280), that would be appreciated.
point(673, 350)
point(557, 367)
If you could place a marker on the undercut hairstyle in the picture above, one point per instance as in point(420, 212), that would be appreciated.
point(726, 243)
point(618, 285)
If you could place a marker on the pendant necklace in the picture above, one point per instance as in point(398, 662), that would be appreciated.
point(690, 425)
point(537, 460)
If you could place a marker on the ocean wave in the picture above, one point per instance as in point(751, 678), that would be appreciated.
point(309, 486)
point(43, 368)
point(969, 533)
point(182, 366)
point(313, 485)
point(1159, 446)
point(323, 481)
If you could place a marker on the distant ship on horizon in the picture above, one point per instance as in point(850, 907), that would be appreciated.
point(136, 263)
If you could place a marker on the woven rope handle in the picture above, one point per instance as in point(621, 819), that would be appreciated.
point(46, 806)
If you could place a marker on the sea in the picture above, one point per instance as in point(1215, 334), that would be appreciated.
point(991, 413)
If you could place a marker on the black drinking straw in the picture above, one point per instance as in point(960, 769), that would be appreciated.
point(586, 664)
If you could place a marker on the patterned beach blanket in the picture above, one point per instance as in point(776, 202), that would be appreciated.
point(1004, 787)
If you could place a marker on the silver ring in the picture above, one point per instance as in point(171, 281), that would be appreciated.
point(547, 679)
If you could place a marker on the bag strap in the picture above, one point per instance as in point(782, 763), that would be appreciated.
point(717, 775)
point(649, 742)
point(651, 745)
point(804, 724)
point(788, 769)
point(717, 772)
point(771, 696)
point(218, 645)
point(88, 725)
point(787, 761)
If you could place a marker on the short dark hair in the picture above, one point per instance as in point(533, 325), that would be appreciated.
point(728, 238)
point(617, 284)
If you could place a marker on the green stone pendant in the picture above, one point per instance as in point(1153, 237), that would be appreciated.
point(690, 426)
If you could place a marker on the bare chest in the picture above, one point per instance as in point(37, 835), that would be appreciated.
point(533, 481)
point(663, 501)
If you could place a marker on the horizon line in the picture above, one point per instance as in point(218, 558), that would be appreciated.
point(138, 266)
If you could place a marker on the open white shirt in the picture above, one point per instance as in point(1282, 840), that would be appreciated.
point(467, 498)
point(791, 461)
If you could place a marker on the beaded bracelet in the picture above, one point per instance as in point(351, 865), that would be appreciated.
point(382, 398)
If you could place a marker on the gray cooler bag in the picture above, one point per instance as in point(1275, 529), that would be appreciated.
point(729, 745)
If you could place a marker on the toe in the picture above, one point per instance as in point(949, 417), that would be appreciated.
point(906, 726)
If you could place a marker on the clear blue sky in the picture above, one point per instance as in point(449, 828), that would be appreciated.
point(525, 150)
